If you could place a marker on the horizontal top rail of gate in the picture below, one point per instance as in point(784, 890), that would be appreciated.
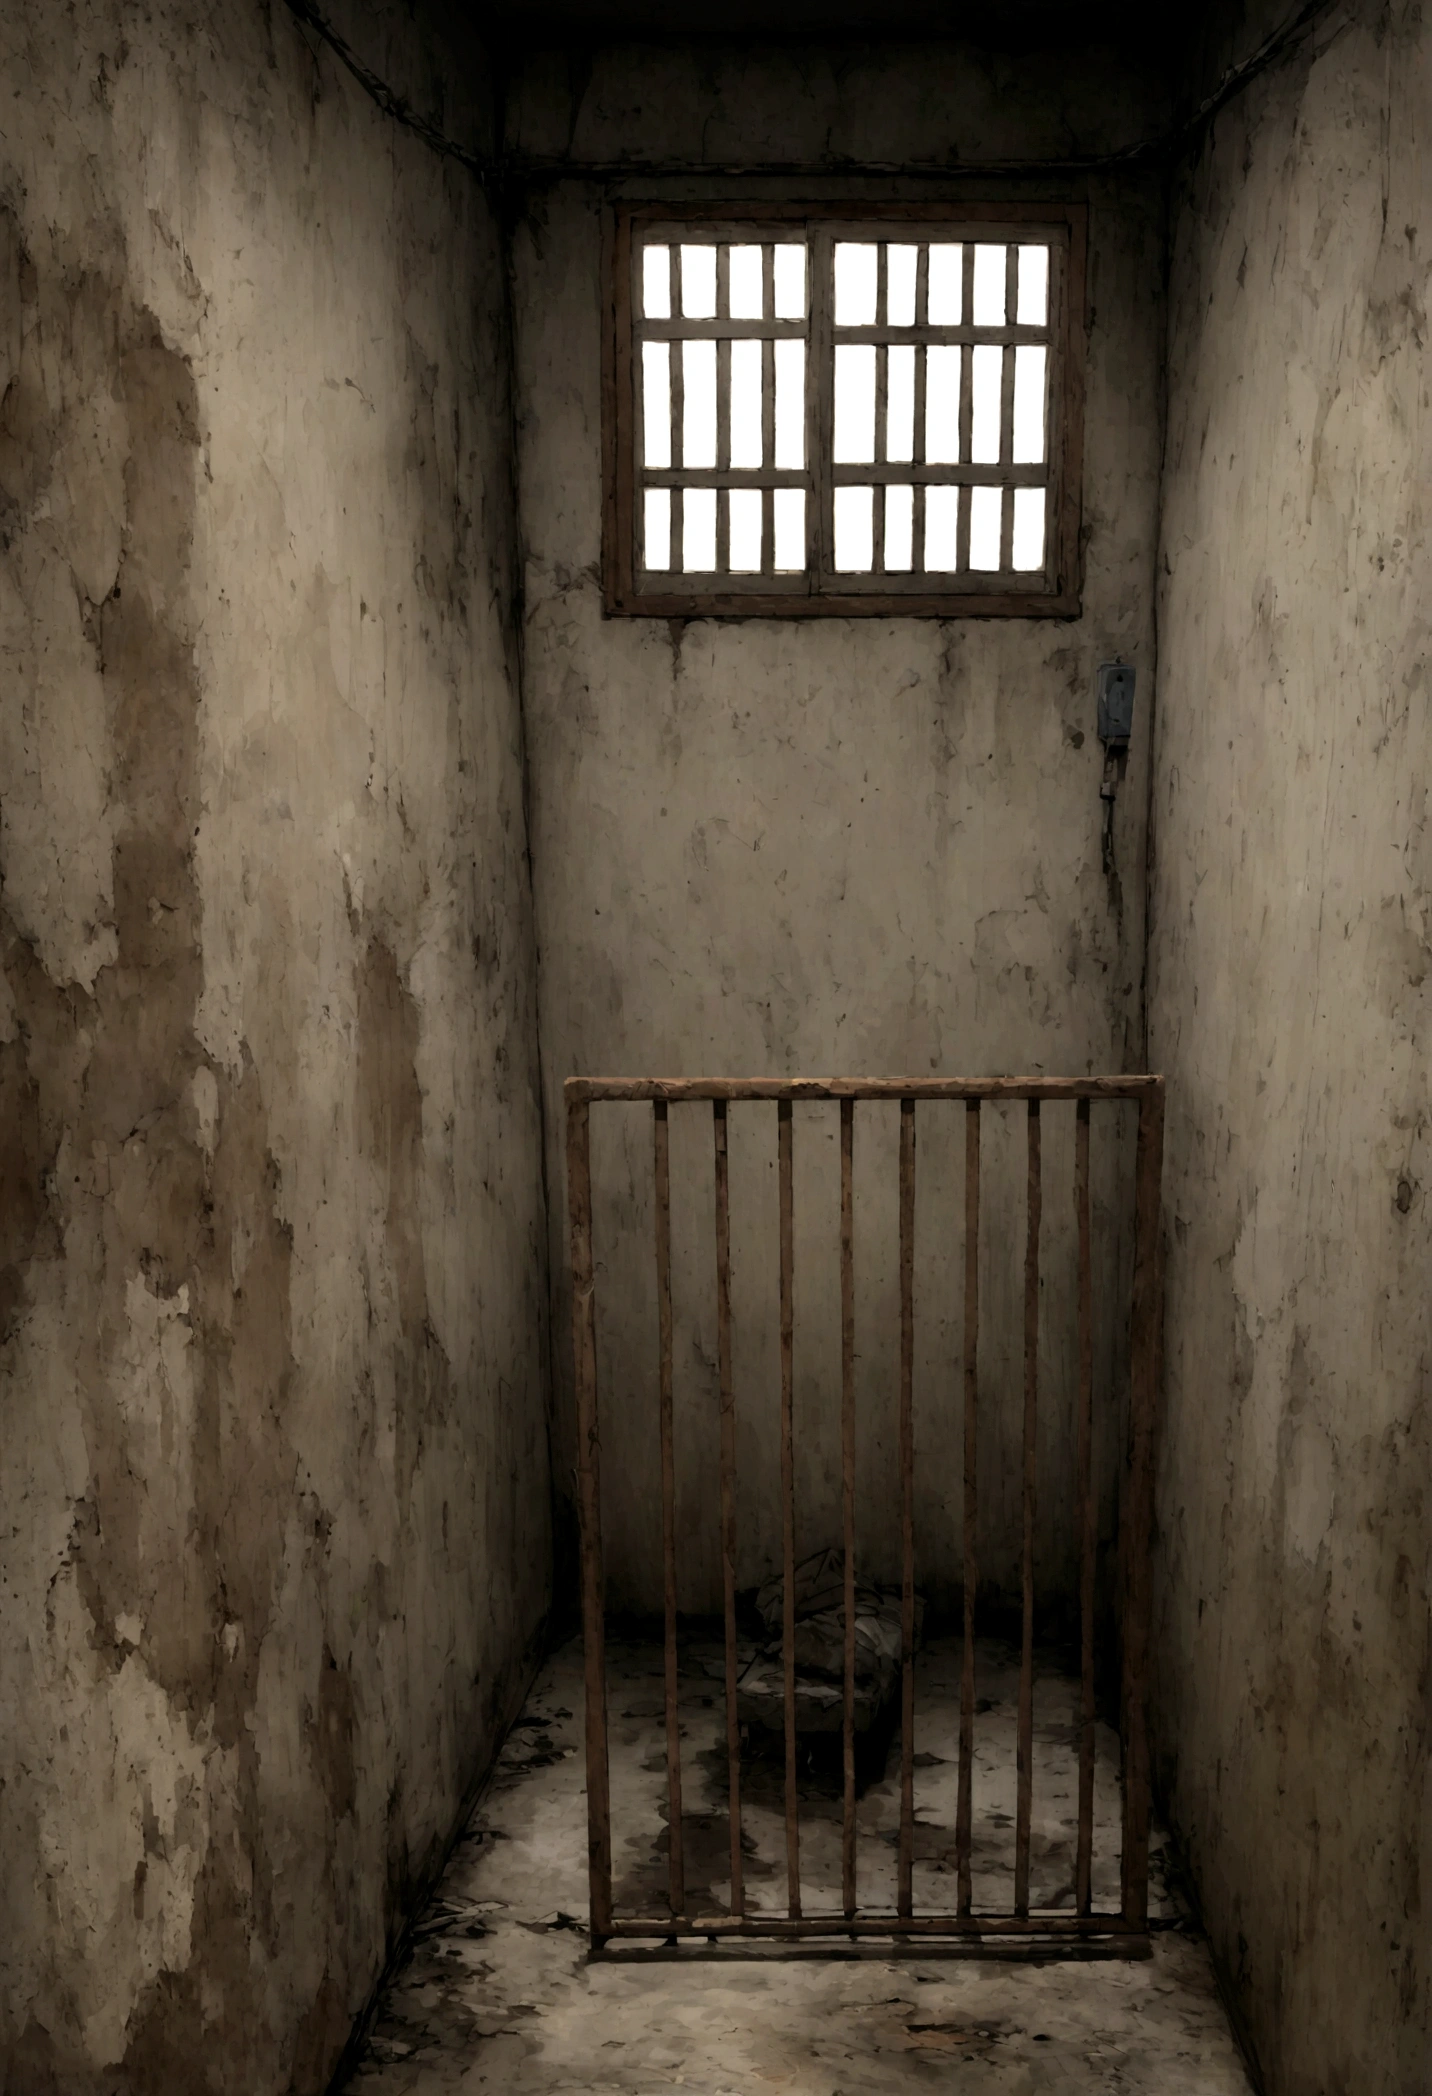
point(676, 1089)
point(1128, 1925)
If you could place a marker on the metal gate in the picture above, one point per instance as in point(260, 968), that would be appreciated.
point(1123, 1931)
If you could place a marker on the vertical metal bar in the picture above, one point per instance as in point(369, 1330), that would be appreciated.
point(967, 314)
point(1031, 1407)
point(907, 1507)
point(675, 1871)
point(1085, 1513)
point(1145, 1344)
point(922, 299)
point(847, 1469)
point(678, 453)
point(584, 1365)
point(788, 1501)
point(964, 1806)
point(768, 419)
point(728, 1497)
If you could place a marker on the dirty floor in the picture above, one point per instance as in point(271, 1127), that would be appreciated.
point(499, 1993)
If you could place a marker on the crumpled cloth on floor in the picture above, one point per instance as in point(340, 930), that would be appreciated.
point(820, 1649)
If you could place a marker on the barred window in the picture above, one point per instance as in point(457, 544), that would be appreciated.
point(816, 412)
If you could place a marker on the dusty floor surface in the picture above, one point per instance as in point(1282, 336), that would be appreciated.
point(499, 1993)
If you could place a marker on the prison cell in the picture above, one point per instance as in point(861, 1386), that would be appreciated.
point(1122, 1930)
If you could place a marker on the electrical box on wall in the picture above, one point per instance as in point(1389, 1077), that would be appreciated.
point(1116, 702)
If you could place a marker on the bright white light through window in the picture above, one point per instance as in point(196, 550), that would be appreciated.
point(854, 530)
point(789, 281)
point(656, 283)
point(746, 290)
point(1028, 550)
point(901, 268)
point(1028, 439)
point(747, 441)
point(856, 273)
point(900, 401)
point(656, 403)
point(986, 372)
point(744, 518)
point(1033, 306)
point(658, 527)
point(739, 368)
point(790, 406)
point(942, 403)
point(788, 549)
point(986, 511)
point(899, 529)
point(942, 530)
point(698, 531)
point(945, 296)
point(698, 283)
point(698, 408)
point(854, 438)
point(989, 286)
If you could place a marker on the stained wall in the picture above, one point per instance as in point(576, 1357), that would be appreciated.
point(1289, 973)
point(275, 1514)
point(865, 846)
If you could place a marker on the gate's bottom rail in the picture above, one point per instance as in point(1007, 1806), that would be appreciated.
point(1121, 1933)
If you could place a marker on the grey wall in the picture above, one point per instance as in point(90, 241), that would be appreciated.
point(1289, 1006)
point(275, 1513)
point(867, 846)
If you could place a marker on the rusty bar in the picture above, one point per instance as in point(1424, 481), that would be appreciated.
point(675, 1089)
point(847, 1469)
point(1031, 1406)
point(788, 1503)
point(675, 1872)
point(1145, 1344)
point(584, 1366)
point(728, 1499)
point(1085, 1514)
point(1060, 1925)
point(964, 1808)
point(904, 1900)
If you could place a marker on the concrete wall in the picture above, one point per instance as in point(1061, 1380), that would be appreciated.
point(1289, 1002)
point(275, 1516)
point(869, 846)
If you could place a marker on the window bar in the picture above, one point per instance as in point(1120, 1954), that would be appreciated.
point(904, 1905)
point(1085, 1514)
point(723, 439)
point(966, 444)
point(584, 1346)
point(678, 452)
point(964, 1814)
point(1006, 410)
point(675, 1872)
point(768, 419)
point(788, 1504)
point(820, 406)
point(1031, 1402)
point(922, 300)
point(847, 1466)
point(882, 443)
point(728, 1496)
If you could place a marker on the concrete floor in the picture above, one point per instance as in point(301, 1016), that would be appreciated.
point(499, 1993)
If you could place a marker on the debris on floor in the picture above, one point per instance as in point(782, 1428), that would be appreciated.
point(500, 1995)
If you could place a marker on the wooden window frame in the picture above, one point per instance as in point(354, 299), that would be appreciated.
point(1055, 592)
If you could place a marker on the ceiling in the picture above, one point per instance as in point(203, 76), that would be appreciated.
point(1007, 24)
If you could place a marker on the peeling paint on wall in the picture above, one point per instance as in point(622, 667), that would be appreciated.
point(274, 1506)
